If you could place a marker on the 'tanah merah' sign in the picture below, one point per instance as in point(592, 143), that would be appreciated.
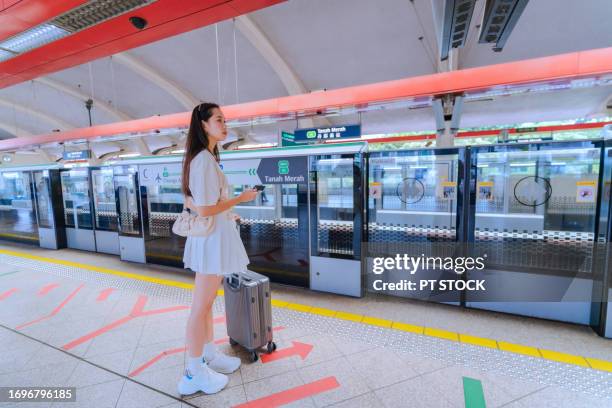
point(334, 132)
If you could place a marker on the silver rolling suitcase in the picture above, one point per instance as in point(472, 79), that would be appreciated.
point(248, 311)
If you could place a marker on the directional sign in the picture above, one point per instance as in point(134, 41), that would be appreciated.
point(333, 132)
point(156, 174)
point(77, 155)
point(277, 170)
point(298, 349)
point(288, 139)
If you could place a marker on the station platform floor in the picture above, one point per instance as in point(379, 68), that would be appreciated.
point(115, 331)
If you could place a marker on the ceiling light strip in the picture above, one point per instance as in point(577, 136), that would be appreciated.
point(85, 16)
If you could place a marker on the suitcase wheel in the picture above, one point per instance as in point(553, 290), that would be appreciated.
point(232, 342)
point(254, 356)
point(271, 347)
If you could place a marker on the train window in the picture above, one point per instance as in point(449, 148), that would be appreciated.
point(127, 201)
point(17, 214)
point(413, 191)
point(335, 207)
point(535, 202)
point(75, 192)
point(43, 199)
point(105, 205)
point(266, 198)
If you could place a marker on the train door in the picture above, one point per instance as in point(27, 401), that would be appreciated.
point(274, 227)
point(601, 306)
point(414, 201)
point(18, 221)
point(48, 202)
point(336, 223)
point(131, 238)
point(76, 193)
point(161, 202)
point(535, 218)
point(104, 210)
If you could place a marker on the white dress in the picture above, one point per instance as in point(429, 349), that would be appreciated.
point(222, 251)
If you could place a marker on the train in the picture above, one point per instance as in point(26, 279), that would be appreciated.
point(538, 210)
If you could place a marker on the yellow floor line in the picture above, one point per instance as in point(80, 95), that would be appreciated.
point(564, 358)
point(442, 334)
point(519, 349)
point(129, 275)
point(477, 341)
point(372, 321)
point(18, 236)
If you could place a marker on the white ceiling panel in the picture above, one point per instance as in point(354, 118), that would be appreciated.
point(338, 43)
point(550, 106)
point(327, 44)
point(191, 60)
point(548, 27)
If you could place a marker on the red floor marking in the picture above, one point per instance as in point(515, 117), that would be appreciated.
point(219, 319)
point(54, 311)
point(177, 350)
point(48, 289)
point(8, 293)
point(156, 359)
point(137, 311)
point(298, 349)
point(293, 394)
point(104, 294)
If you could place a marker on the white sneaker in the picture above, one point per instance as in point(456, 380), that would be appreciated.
point(204, 379)
point(222, 363)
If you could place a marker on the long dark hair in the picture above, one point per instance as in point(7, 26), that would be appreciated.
point(197, 140)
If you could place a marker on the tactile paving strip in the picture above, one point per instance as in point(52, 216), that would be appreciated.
point(546, 372)
point(525, 368)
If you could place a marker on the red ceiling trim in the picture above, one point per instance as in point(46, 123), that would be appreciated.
point(18, 16)
point(492, 132)
point(166, 18)
point(540, 70)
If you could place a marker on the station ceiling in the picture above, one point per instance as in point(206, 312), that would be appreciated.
point(301, 46)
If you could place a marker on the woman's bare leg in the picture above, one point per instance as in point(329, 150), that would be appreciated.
point(199, 377)
point(200, 322)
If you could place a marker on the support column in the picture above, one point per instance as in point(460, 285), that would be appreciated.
point(447, 111)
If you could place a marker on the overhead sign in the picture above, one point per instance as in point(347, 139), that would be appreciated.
point(277, 170)
point(526, 130)
point(158, 174)
point(334, 132)
point(288, 139)
point(77, 155)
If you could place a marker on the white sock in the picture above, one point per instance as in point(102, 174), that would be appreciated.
point(210, 350)
point(194, 363)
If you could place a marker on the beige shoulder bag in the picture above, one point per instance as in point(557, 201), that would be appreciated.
point(190, 224)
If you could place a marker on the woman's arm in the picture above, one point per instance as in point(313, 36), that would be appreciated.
point(224, 205)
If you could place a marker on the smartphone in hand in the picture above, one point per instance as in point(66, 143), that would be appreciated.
point(259, 187)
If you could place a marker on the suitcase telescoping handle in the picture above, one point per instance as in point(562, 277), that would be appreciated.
point(235, 284)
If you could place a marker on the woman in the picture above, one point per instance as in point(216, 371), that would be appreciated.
point(210, 257)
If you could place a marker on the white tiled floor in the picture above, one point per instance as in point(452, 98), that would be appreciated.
point(368, 374)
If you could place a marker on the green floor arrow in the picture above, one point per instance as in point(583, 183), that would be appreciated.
point(473, 394)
